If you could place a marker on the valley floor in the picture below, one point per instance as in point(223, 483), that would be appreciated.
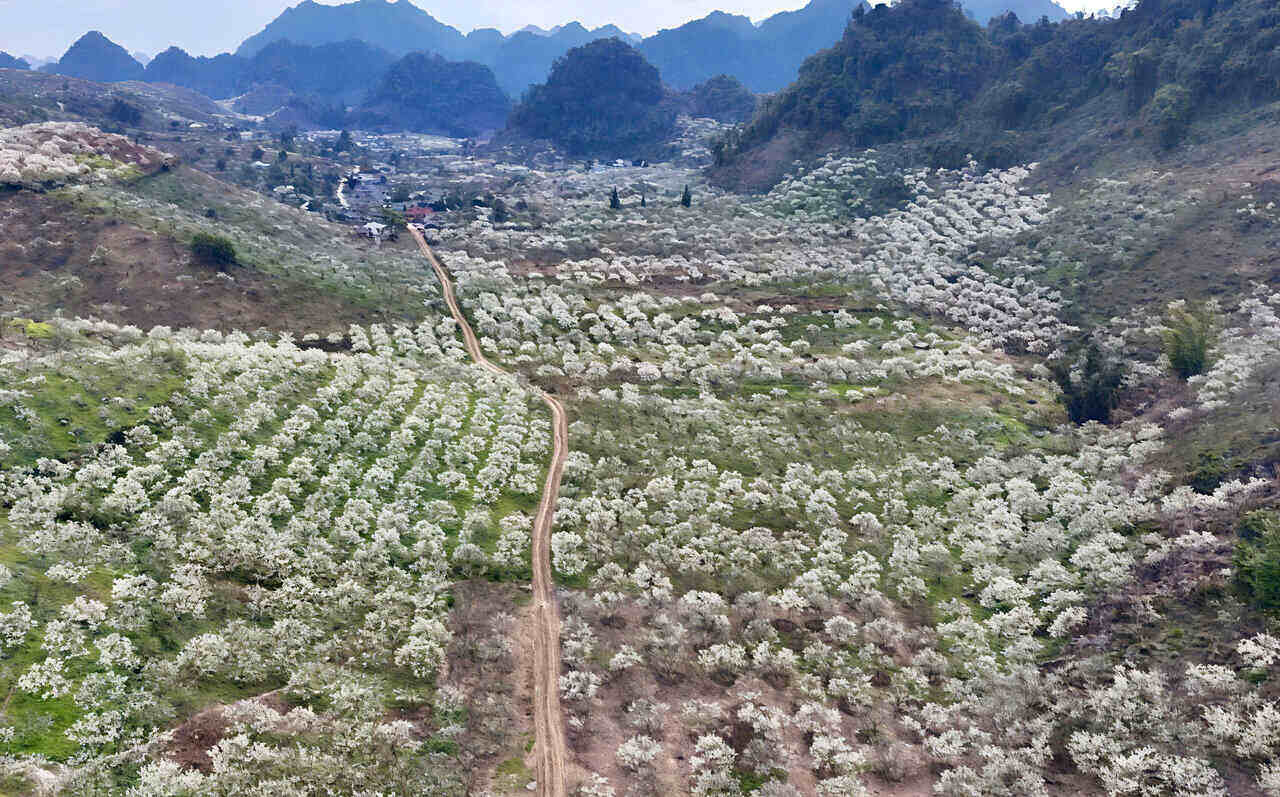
point(824, 526)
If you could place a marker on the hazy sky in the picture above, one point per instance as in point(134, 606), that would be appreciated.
point(46, 28)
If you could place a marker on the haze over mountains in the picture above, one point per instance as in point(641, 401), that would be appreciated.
point(331, 66)
point(11, 62)
point(95, 57)
point(765, 57)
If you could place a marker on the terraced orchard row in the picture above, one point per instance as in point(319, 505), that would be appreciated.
point(825, 526)
point(279, 521)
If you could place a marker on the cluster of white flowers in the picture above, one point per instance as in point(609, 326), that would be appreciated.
point(701, 340)
point(1251, 345)
point(287, 506)
point(743, 488)
point(56, 153)
point(917, 257)
point(836, 188)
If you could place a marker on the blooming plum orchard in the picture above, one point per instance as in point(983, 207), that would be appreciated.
point(286, 518)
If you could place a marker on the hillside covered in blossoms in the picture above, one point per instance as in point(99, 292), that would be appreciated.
point(337, 462)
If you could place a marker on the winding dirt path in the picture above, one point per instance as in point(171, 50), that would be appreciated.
point(552, 752)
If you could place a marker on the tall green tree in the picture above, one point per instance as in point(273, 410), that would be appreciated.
point(1189, 337)
point(1095, 391)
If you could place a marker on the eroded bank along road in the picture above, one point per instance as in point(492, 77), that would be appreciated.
point(550, 747)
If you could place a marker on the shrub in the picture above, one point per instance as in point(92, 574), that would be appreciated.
point(213, 250)
point(1169, 113)
point(1096, 392)
point(1211, 470)
point(1257, 560)
point(1189, 337)
point(124, 113)
point(394, 219)
point(500, 213)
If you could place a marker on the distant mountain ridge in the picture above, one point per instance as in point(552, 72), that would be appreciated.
point(335, 55)
point(398, 26)
point(343, 72)
point(983, 11)
point(765, 57)
point(328, 85)
point(95, 57)
point(10, 62)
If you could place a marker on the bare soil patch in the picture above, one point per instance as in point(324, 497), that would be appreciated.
point(190, 742)
point(193, 740)
point(763, 166)
point(490, 661)
point(55, 259)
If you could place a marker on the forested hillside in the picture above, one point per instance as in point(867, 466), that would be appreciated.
point(601, 100)
point(426, 93)
point(723, 98)
point(922, 72)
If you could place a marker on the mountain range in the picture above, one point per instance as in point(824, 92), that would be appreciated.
point(95, 57)
point(518, 60)
point(765, 57)
point(343, 72)
point(10, 62)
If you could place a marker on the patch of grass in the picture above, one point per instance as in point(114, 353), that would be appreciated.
point(40, 725)
point(512, 776)
point(35, 330)
point(14, 785)
point(754, 781)
point(271, 239)
point(83, 404)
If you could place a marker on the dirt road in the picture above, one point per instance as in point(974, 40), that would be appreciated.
point(550, 746)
